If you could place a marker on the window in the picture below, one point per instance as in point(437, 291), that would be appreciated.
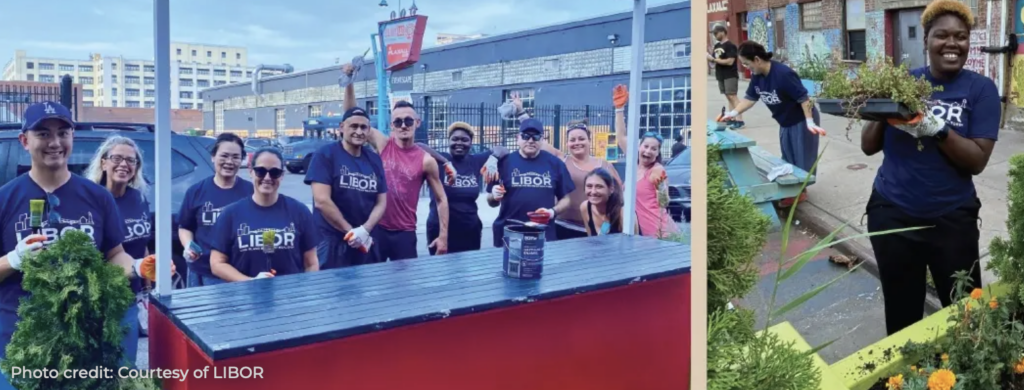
point(113, 66)
point(193, 52)
point(279, 121)
point(179, 51)
point(150, 104)
point(132, 104)
point(150, 93)
point(185, 82)
point(199, 106)
point(30, 65)
point(31, 77)
point(510, 128)
point(113, 92)
point(149, 81)
point(220, 82)
point(44, 66)
point(248, 74)
point(204, 83)
point(185, 94)
point(236, 73)
point(371, 106)
point(87, 104)
point(681, 50)
point(132, 92)
point(186, 106)
point(435, 117)
point(223, 54)
point(209, 54)
point(856, 39)
point(44, 78)
point(66, 68)
point(218, 116)
point(315, 111)
point(203, 72)
point(87, 93)
point(551, 65)
point(113, 79)
point(131, 80)
point(185, 70)
point(131, 68)
point(114, 103)
point(151, 68)
point(238, 56)
point(85, 68)
point(457, 76)
point(219, 72)
point(810, 16)
point(665, 108)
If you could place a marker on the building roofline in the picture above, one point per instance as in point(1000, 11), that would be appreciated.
point(684, 4)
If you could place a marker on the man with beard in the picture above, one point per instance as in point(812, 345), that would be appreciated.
point(349, 195)
point(530, 181)
point(407, 167)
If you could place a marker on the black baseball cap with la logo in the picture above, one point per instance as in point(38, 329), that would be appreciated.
point(39, 112)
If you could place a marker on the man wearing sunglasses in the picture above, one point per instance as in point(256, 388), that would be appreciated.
point(529, 181)
point(407, 167)
point(71, 202)
point(349, 194)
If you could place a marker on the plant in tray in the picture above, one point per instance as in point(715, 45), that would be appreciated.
point(72, 319)
point(875, 91)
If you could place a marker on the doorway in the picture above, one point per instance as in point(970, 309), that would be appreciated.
point(909, 44)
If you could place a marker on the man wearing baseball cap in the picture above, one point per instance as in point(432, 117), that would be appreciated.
point(529, 181)
point(349, 194)
point(726, 70)
point(71, 202)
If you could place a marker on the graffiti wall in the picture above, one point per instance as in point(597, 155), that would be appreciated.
point(799, 44)
point(758, 29)
point(875, 24)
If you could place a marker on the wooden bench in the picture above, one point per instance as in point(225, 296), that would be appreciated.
point(789, 184)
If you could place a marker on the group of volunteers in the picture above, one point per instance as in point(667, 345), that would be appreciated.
point(924, 181)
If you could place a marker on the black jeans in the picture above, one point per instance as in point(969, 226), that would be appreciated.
point(949, 246)
point(564, 233)
point(394, 244)
point(460, 238)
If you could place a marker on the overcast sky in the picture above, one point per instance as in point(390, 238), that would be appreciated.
point(309, 35)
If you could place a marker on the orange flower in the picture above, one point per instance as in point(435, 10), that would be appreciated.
point(993, 303)
point(913, 368)
point(942, 379)
point(945, 357)
point(895, 382)
point(976, 294)
point(1018, 368)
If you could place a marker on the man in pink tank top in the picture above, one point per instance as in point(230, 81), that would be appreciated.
point(406, 168)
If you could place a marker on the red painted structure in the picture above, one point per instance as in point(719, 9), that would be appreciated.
point(623, 338)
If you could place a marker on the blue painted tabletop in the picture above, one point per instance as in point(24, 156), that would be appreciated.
point(238, 319)
point(727, 139)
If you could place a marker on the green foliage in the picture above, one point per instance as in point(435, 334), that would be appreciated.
point(737, 231)
point(814, 67)
point(72, 319)
point(1007, 255)
point(740, 360)
point(728, 333)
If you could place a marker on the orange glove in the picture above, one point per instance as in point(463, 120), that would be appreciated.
point(620, 95)
point(659, 176)
point(449, 172)
point(146, 268)
point(36, 238)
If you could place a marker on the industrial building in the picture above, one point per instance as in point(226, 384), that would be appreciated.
point(570, 64)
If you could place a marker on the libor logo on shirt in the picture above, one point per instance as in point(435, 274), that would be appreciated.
point(252, 239)
point(138, 228)
point(208, 214)
point(463, 181)
point(531, 179)
point(85, 224)
point(768, 97)
point(357, 181)
point(951, 112)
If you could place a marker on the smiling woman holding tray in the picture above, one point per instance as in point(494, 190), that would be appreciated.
point(931, 186)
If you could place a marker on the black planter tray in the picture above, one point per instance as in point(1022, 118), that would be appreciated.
point(873, 110)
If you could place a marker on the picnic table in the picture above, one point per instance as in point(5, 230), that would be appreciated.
point(748, 166)
point(609, 312)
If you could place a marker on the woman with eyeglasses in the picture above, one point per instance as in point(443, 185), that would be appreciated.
point(242, 246)
point(602, 211)
point(580, 162)
point(780, 89)
point(652, 216)
point(203, 204)
point(72, 202)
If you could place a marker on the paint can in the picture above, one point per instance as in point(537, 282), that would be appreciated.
point(524, 252)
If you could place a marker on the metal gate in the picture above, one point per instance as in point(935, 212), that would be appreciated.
point(18, 96)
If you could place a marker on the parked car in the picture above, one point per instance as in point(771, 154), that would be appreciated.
point(262, 142)
point(298, 155)
point(678, 172)
point(290, 139)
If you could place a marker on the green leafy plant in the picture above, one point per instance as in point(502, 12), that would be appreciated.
point(814, 67)
point(878, 79)
point(72, 319)
point(1007, 254)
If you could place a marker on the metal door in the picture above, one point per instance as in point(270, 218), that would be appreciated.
point(910, 39)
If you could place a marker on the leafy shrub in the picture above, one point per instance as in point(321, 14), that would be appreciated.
point(814, 67)
point(1007, 255)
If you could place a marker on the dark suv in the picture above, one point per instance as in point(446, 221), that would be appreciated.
point(190, 163)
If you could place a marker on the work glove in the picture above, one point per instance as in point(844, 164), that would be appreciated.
point(658, 176)
point(28, 245)
point(358, 237)
point(727, 117)
point(620, 95)
point(146, 267)
point(815, 129)
point(550, 212)
point(490, 169)
point(923, 125)
point(264, 275)
point(449, 172)
point(498, 192)
point(189, 254)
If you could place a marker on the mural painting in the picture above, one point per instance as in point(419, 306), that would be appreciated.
point(758, 30)
point(799, 44)
point(875, 24)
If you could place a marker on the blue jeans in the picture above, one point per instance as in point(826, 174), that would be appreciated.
point(197, 280)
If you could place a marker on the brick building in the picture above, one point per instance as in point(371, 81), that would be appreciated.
point(181, 120)
point(573, 64)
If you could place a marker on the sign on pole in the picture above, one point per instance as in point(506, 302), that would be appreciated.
point(403, 39)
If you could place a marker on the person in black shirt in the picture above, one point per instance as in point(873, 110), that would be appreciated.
point(678, 147)
point(726, 71)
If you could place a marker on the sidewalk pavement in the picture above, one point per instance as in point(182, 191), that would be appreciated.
point(845, 175)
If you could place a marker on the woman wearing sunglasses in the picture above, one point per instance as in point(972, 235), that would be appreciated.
point(239, 250)
point(72, 202)
point(652, 216)
point(579, 161)
point(602, 211)
point(203, 203)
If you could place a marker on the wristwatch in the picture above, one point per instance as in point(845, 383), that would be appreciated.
point(942, 134)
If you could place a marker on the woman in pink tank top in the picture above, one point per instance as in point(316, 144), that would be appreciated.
point(652, 216)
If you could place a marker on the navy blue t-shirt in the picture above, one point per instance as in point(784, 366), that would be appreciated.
point(239, 235)
point(782, 92)
point(84, 206)
point(355, 183)
point(199, 212)
point(924, 183)
point(462, 207)
point(138, 226)
point(530, 184)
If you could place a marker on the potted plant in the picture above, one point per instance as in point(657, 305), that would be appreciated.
point(72, 319)
point(875, 91)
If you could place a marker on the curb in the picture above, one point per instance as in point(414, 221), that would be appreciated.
point(822, 223)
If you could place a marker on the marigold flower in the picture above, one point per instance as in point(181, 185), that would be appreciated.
point(1019, 368)
point(976, 293)
point(895, 382)
point(993, 303)
point(945, 357)
point(942, 379)
point(913, 368)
